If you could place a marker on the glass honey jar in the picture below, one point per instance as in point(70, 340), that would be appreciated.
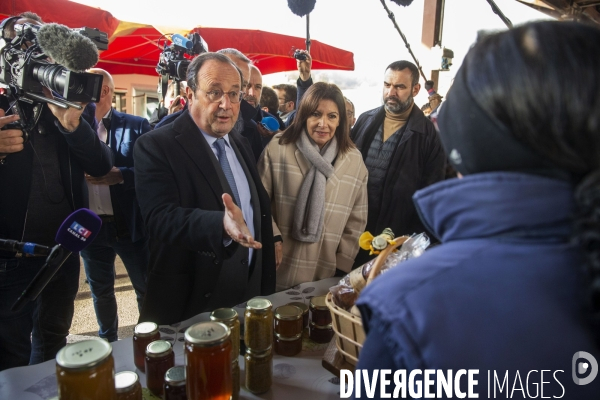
point(175, 387)
point(258, 324)
point(304, 309)
point(235, 377)
point(143, 334)
point(159, 358)
point(288, 321)
point(229, 317)
point(127, 386)
point(288, 346)
point(319, 313)
point(320, 334)
point(208, 365)
point(86, 370)
point(259, 370)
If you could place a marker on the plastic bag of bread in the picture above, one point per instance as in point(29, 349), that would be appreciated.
point(349, 287)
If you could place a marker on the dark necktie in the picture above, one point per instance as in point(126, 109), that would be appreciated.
point(222, 156)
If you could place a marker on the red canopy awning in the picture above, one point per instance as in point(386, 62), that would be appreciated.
point(65, 12)
point(272, 52)
point(136, 51)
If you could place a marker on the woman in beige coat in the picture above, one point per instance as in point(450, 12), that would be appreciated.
point(317, 182)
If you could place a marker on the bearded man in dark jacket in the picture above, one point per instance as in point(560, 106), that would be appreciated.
point(402, 152)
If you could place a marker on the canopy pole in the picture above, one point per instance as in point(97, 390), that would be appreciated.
point(391, 16)
point(308, 32)
point(499, 13)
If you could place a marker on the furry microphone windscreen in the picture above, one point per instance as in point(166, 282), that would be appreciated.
point(72, 50)
point(404, 3)
point(301, 7)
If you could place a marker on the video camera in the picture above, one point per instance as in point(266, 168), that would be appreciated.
point(299, 56)
point(27, 63)
point(172, 61)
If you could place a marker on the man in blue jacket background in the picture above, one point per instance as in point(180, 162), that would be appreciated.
point(112, 197)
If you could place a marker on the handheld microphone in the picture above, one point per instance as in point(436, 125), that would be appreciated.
point(270, 124)
point(75, 234)
point(24, 247)
point(70, 49)
point(179, 40)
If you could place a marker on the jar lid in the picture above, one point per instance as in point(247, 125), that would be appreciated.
point(84, 354)
point(159, 348)
point(300, 305)
point(125, 381)
point(288, 313)
point(175, 376)
point(315, 326)
point(259, 354)
point(145, 329)
point(288, 338)
point(223, 314)
point(258, 305)
point(206, 334)
point(318, 303)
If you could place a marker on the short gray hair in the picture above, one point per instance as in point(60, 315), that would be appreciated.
point(198, 61)
point(236, 53)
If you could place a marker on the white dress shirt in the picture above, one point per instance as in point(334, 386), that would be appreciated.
point(99, 195)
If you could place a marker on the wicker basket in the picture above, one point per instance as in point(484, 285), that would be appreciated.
point(348, 328)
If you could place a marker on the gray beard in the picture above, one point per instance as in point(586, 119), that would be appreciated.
point(400, 107)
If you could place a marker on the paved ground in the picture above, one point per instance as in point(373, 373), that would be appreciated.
point(84, 321)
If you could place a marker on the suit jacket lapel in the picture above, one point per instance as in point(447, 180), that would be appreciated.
point(193, 143)
point(116, 131)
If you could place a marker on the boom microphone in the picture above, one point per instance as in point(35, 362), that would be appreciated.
point(404, 3)
point(75, 234)
point(70, 49)
point(24, 247)
point(301, 7)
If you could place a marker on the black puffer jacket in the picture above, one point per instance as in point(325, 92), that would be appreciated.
point(418, 161)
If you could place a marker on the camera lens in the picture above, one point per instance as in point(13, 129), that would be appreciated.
point(52, 76)
point(181, 70)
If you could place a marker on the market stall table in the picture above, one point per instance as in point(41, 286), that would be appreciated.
point(294, 378)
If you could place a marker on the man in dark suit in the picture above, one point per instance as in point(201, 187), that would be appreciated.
point(207, 251)
point(113, 198)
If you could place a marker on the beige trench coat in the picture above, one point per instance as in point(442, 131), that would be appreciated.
point(282, 169)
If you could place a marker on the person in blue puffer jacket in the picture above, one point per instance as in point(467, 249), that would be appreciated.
point(508, 306)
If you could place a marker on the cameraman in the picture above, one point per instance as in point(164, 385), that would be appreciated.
point(42, 182)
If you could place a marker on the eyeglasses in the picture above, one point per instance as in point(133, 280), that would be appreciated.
point(216, 96)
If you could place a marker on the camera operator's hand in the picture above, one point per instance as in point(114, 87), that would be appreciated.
point(69, 118)
point(11, 140)
point(176, 105)
point(113, 177)
point(304, 66)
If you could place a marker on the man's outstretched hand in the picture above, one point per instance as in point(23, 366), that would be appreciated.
point(234, 225)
